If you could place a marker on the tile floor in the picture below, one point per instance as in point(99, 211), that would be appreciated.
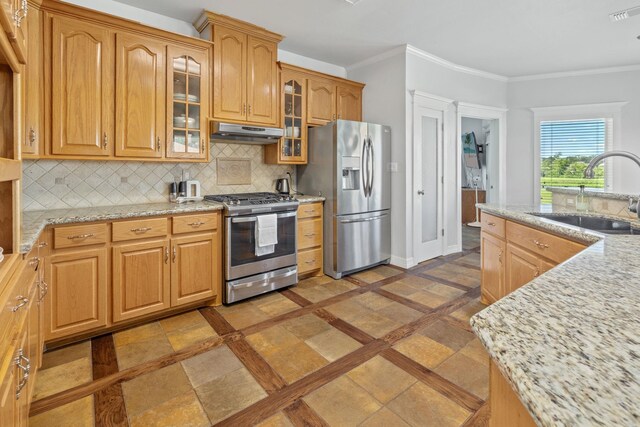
point(385, 347)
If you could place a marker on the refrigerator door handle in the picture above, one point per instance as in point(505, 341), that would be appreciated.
point(365, 177)
point(370, 160)
point(373, 218)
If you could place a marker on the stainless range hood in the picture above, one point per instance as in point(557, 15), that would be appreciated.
point(245, 134)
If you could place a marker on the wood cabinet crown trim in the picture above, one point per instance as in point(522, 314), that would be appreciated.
point(118, 23)
point(212, 18)
point(307, 72)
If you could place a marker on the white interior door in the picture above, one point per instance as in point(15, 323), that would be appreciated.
point(428, 182)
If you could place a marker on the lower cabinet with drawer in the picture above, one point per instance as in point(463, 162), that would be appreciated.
point(514, 254)
point(142, 269)
point(310, 240)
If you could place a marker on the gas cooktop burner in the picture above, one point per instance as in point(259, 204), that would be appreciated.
point(242, 203)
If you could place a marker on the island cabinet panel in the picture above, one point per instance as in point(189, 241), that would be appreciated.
point(506, 408)
point(492, 260)
point(140, 279)
point(82, 92)
point(262, 81)
point(321, 101)
point(77, 299)
point(543, 244)
point(229, 74)
point(140, 96)
point(349, 105)
point(521, 268)
point(195, 268)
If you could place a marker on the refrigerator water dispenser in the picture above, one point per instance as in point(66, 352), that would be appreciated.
point(350, 173)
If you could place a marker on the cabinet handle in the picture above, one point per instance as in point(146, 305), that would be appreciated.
point(23, 301)
point(202, 145)
point(34, 262)
point(25, 369)
point(32, 136)
point(158, 144)
point(105, 141)
point(249, 109)
point(80, 236)
point(540, 244)
point(500, 257)
point(537, 273)
point(310, 262)
point(491, 224)
point(166, 255)
point(44, 289)
point(309, 234)
point(333, 117)
point(244, 108)
point(141, 229)
point(196, 224)
point(175, 253)
point(310, 211)
point(43, 245)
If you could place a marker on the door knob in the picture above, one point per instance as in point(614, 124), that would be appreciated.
point(421, 192)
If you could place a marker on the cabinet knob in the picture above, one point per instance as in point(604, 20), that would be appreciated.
point(32, 136)
point(105, 141)
point(158, 144)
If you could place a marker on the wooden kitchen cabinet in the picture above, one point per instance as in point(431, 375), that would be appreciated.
point(33, 86)
point(492, 261)
point(321, 101)
point(140, 96)
point(13, 20)
point(77, 299)
point(141, 279)
point(245, 73)
point(195, 268)
point(188, 103)
point(349, 102)
point(521, 268)
point(310, 239)
point(82, 92)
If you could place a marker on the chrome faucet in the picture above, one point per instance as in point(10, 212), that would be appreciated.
point(588, 172)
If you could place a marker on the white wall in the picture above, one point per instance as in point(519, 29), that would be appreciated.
point(312, 64)
point(572, 90)
point(383, 102)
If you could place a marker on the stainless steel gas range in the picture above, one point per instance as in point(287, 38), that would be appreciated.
point(247, 273)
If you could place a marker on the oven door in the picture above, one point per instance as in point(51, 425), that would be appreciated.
point(241, 259)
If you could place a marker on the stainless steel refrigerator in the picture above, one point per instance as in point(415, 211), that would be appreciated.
point(347, 165)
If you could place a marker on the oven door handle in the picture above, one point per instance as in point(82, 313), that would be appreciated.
point(255, 218)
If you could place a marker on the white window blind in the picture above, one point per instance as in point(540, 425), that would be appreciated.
point(567, 146)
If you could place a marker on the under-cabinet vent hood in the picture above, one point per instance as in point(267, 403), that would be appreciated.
point(245, 134)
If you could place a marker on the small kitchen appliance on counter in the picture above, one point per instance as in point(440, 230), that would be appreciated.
point(185, 191)
point(282, 186)
point(251, 268)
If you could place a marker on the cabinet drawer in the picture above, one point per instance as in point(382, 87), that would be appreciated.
point(541, 243)
point(139, 229)
point(310, 210)
point(16, 302)
point(309, 260)
point(79, 235)
point(191, 223)
point(493, 224)
point(309, 233)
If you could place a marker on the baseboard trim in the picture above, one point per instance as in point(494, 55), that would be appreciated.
point(402, 262)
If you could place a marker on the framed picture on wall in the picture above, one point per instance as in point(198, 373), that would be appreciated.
point(470, 150)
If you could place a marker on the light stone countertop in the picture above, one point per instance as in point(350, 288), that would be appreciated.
point(33, 222)
point(592, 192)
point(309, 199)
point(569, 341)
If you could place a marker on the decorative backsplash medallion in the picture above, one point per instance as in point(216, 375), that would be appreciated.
point(54, 184)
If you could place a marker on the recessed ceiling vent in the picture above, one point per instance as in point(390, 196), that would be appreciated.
point(624, 14)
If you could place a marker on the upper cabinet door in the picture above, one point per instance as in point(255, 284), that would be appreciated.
point(349, 103)
point(321, 101)
point(13, 14)
point(229, 74)
point(82, 88)
point(188, 103)
point(140, 96)
point(262, 88)
point(33, 86)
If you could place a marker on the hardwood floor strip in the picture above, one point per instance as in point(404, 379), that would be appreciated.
point(445, 282)
point(217, 322)
point(347, 328)
point(301, 414)
point(266, 376)
point(108, 403)
point(433, 380)
point(404, 301)
point(78, 392)
point(288, 395)
point(457, 323)
point(480, 418)
point(355, 281)
point(298, 299)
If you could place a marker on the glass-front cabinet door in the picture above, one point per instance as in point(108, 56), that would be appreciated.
point(293, 147)
point(188, 98)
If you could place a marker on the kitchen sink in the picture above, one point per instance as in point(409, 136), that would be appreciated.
point(594, 223)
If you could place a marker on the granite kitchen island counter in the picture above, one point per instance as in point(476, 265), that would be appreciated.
point(33, 222)
point(568, 341)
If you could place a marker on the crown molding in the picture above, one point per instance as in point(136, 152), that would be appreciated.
point(377, 58)
point(576, 73)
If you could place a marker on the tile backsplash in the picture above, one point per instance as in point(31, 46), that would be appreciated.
point(55, 184)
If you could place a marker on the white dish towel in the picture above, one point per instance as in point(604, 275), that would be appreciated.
point(266, 234)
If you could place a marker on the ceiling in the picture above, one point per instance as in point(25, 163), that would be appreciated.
point(505, 37)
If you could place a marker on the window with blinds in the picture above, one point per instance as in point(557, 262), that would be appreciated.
point(567, 147)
